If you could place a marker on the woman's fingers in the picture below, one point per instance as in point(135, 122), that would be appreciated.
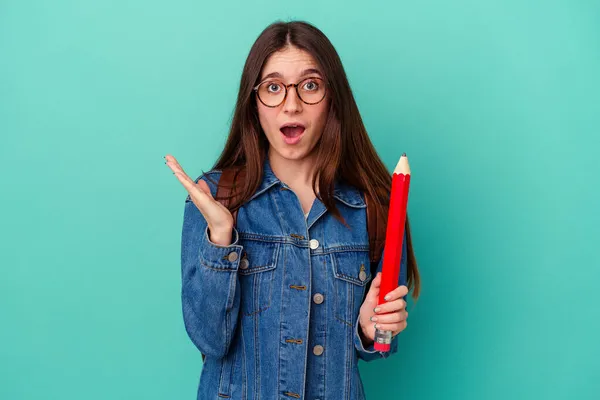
point(185, 178)
point(390, 318)
point(185, 181)
point(390, 306)
point(395, 328)
point(394, 322)
point(397, 293)
point(199, 193)
point(177, 169)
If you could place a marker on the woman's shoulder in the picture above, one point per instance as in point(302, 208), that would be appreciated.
point(349, 194)
point(228, 174)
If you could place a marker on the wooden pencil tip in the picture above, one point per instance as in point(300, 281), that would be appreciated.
point(402, 167)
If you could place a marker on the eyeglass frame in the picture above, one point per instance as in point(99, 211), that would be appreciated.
point(295, 85)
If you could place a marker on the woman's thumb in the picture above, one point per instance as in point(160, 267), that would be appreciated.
point(204, 187)
point(374, 289)
point(377, 281)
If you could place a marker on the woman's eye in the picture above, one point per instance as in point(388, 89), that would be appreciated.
point(311, 86)
point(273, 87)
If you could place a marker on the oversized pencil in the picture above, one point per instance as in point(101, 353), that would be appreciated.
point(394, 236)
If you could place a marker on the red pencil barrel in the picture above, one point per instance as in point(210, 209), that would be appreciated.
point(394, 234)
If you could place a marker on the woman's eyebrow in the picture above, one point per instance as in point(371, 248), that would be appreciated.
point(272, 75)
point(308, 71)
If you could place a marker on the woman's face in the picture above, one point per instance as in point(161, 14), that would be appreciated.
point(293, 127)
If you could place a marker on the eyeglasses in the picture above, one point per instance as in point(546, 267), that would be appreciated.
point(272, 93)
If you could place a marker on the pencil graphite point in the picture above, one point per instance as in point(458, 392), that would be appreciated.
point(402, 167)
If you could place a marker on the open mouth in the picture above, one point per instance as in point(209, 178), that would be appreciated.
point(292, 132)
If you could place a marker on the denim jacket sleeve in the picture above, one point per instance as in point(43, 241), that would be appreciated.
point(209, 292)
point(368, 353)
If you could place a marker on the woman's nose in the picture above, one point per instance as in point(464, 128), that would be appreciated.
point(292, 103)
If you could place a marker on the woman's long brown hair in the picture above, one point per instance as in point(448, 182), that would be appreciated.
point(344, 152)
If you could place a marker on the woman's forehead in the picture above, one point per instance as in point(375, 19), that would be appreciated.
point(290, 63)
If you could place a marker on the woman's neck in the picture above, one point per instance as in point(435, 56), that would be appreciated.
point(294, 173)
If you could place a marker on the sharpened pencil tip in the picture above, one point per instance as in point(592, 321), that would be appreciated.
point(403, 154)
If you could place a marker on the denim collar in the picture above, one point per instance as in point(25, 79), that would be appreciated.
point(342, 192)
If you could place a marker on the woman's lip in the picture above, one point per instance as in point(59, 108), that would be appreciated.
point(292, 124)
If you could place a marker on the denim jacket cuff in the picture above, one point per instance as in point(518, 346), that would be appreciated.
point(216, 256)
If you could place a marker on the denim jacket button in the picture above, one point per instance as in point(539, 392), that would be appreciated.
point(318, 350)
point(318, 298)
point(233, 256)
point(362, 276)
point(314, 243)
point(244, 263)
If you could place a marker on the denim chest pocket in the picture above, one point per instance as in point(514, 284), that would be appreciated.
point(352, 273)
point(256, 270)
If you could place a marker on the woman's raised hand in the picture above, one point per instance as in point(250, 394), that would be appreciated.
point(217, 216)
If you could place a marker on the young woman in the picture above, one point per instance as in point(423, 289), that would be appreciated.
point(283, 300)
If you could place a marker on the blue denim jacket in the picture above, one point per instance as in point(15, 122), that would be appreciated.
point(276, 312)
